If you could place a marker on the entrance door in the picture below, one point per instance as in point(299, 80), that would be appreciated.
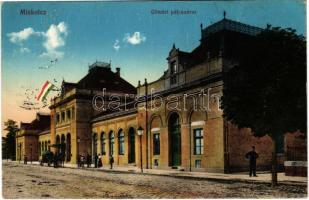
point(174, 141)
point(94, 145)
point(131, 145)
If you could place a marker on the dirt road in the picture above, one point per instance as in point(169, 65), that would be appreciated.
point(33, 181)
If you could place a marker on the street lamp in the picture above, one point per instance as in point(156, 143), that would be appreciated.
point(140, 132)
point(77, 148)
point(31, 153)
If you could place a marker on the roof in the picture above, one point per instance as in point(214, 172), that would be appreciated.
point(113, 114)
point(43, 113)
point(100, 64)
point(101, 76)
point(124, 109)
point(67, 86)
point(224, 35)
point(41, 123)
point(227, 24)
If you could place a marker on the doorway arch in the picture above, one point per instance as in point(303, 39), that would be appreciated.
point(62, 148)
point(131, 142)
point(68, 157)
point(174, 137)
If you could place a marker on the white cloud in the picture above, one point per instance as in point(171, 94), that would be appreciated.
point(55, 38)
point(62, 28)
point(135, 39)
point(116, 45)
point(23, 35)
point(24, 50)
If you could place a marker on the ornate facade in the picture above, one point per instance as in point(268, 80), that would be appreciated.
point(179, 113)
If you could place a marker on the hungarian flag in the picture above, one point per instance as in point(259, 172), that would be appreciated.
point(47, 87)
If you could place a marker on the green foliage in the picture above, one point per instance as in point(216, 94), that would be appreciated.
point(8, 142)
point(266, 91)
point(5, 153)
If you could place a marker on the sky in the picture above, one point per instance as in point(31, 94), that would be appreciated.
point(75, 34)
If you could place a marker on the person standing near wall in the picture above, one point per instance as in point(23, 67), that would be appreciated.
point(252, 156)
point(88, 160)
point(111, 161)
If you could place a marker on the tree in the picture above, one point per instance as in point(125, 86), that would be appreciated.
point(9, 141)
point(4, 148)
point(266, 91)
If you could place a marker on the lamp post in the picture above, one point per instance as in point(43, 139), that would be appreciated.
point(140, 132)
point(31, 153)
point(77, 148)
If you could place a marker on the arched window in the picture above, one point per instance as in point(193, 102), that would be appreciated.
point(121, 142)
point(174, 140)
point(103, 144)
point(111, 143)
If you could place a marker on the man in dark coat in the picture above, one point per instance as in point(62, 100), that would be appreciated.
point(79, 161)
point(25, 159)
point(252, 156)
point(88, 160)
point(111, 161)
point(96, 161)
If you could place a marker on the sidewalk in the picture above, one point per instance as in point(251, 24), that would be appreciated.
point(263, 177)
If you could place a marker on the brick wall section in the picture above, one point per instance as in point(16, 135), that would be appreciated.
point(240, 142)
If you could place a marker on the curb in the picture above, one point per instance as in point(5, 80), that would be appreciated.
point(220, 180)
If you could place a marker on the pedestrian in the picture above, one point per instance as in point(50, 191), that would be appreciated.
point(78, 161)
point(252, 156)
point(111, 161)
point(82, 161)
point(56, 160)
point(100, 163)
point(88, 160)
point(25, 159)
point(62, 159)
point(95, 161)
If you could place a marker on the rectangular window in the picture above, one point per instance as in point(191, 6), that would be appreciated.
point(198, 164)
point(73, 113)
point(198, 141)
point(173, 67)
point(68, 115)
point(57, 118)
point(62, 116)
point(156, 144)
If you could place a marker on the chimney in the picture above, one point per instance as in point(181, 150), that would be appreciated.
point(118, 71)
